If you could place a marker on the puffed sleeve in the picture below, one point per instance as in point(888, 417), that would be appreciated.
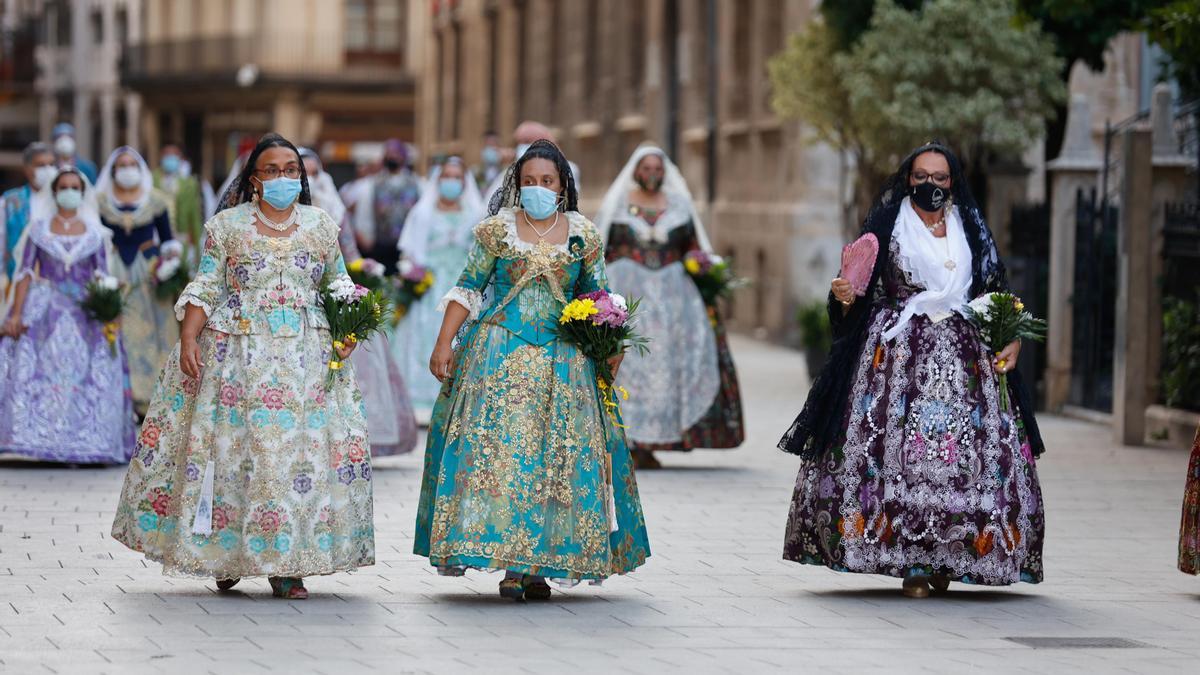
point(27, 265)
point(481, 265)
point(207, 288)
point(593, 277)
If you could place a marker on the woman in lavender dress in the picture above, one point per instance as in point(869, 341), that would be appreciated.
point(913, 468)
point(64, 395)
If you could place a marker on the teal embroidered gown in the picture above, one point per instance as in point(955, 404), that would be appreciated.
point(521, 458)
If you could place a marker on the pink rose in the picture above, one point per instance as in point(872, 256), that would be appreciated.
point(273, 398)
point(230, 395)
point(269, 521)
point(150, 434)
point(161, 504)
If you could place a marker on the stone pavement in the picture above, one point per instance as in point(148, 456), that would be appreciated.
point(715, 596)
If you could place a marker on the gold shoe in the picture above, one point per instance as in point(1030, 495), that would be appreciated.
point(939, 583)
point(916, 586)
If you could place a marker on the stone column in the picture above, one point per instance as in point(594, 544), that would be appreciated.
point(1077, 168)
point(1135, 289)
point(133, 121)
point(108, 122)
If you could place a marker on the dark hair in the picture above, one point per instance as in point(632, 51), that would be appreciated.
point(83, 184)
point(896, 186)
point(242, 189)
point(490, 132)
point(509, 194)
point(33, 150)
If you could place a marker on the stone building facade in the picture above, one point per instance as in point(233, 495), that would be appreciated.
point(689, 75)
point(328, 73)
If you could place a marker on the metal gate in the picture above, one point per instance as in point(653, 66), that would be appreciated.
point(1029, 277)
point(1093, 302)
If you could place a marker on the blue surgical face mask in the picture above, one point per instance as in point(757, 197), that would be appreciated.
point(69, 199)
point(450, 188)
point(170, 163)
point(281, 192)
point(539, 202)
point(490, 156)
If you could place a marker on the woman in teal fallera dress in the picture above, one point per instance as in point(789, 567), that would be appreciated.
point(522, 460)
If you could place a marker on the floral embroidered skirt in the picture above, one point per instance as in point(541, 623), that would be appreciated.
point(148, 327)
point(517, 466)
point(932, 476)
point(1189, 528)
point(290, 463)
point(64, 395)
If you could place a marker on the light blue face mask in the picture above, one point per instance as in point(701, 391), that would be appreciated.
point(539, 202)
point(69, 199)
point(490, 156)
point(450, 189)
point(281, 192)
point(170, 163)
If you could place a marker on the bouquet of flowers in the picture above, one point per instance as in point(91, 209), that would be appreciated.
point(367, 272)
point(171, 276)
point(600, 324)
point(1001, 319)
point(411, 283)
point(712, 274)
point(103, 301)
point(354, 312)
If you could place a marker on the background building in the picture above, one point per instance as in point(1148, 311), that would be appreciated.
point(326, 73)
point(687, 74)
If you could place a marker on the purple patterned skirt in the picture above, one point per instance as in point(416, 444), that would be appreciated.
point(931, 476)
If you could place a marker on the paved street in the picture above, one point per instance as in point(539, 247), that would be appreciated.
point(715, 596)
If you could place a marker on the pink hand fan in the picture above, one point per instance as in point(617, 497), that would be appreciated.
point(858, 262)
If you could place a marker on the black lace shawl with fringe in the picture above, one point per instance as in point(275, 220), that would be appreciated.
point(820, 424)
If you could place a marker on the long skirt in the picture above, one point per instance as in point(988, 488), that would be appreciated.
point(932, 475)
point(523, 469)
point(64, 393)
point(391, 424)
point(1189, 528)
point(255, 468)
point(148, 327)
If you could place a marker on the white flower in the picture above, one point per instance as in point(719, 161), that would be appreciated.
point(715, 259)
point(981, 305)
point(342, 288)
point(374, 269)
point(404, 267)
point(618, 301)
point(167, 268)
point(107, 282)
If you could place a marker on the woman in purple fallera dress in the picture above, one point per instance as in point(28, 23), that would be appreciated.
point(64, 394)
point(913, 467)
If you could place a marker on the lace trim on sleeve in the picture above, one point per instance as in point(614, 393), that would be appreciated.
point(185, 300)
point(471, 299)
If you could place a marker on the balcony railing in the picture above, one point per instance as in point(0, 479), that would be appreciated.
point(271, 58)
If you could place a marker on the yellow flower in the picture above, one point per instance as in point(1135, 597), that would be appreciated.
point(338, 344)
point(692, 266)
point(335, 365)
point(427, 279)
point(356, 265)
point(1019, 305)
point(578, 310)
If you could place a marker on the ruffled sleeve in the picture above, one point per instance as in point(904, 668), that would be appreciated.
point(593, 277)
point(481, 265)
point(207, 288)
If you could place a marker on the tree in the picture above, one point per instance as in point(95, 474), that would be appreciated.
point(981, 82)
point(1176, 28)
point(1081, 30)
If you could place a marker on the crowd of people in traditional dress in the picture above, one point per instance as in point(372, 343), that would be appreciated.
point(246, 459)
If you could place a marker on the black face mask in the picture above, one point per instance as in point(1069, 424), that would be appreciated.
point(392, 164)
point(651, 184)
point(929, 197)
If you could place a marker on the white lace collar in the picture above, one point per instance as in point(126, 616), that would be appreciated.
point(677, 214)
point(67, 248)
point(575, 227)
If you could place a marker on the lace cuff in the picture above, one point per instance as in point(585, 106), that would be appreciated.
point(185, 300)
point(471, 299)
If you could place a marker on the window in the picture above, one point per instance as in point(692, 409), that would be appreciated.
point(637, 51)
point(97, 25)
point(62, 24)
point(122, 27)
point(374, 30)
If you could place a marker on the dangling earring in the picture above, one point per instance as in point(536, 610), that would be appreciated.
point(254, 197)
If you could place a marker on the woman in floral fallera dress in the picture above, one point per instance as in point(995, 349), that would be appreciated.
point(913, 468)
point(1189, 528)
point(247, 464)
point(521, 459)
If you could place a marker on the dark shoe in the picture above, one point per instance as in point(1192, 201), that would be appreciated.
point(289, 588)
point(916, 586)
point(645, 459)
point(226, 584)
point(535, 588)
point(512, 589)
point(939, 583)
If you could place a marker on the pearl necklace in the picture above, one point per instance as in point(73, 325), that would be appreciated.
point(541, 235)
point(67, 223)
point(281, 226)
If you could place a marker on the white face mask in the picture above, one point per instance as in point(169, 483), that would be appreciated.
point(65, 146)
point(43, 175)
point(128, 177)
